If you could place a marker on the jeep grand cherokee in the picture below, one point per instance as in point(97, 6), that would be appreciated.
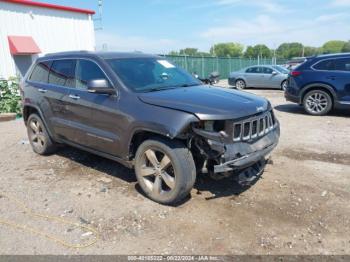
point(146, 113)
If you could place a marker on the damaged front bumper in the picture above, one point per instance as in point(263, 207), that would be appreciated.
point(241, 155)
point(233, 154)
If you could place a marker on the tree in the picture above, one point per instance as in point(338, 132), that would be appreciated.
point(257, 50)
point(289, 50)
point(346, 47)
point(311, 51)
point(189, 51)
point(333, 46)
point(227, 49)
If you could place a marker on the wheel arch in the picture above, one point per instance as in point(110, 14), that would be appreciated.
point(319, 86)
point(141, 135)
point(32, 109)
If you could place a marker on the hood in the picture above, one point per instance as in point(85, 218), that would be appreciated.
point(208, 102)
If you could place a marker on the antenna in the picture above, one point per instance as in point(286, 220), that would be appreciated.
point(99, 18)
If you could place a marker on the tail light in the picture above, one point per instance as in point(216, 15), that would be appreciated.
point(295, 73)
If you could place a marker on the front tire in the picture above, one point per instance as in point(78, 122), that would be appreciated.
point(284, 85)
point(240, 84)
point(165, 170)
point(38, 136)
point(317, 102)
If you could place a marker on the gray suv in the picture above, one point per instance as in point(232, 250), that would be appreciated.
point(145, 113)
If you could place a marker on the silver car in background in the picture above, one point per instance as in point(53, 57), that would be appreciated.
point(272, 76)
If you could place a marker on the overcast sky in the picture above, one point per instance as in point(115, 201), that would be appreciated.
point(158, 26)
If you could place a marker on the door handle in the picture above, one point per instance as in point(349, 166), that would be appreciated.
point(75, 97)
point(41, 90)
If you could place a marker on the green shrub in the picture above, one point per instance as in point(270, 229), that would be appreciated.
point(10, 99)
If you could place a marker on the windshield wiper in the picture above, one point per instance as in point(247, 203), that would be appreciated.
point(188, 85)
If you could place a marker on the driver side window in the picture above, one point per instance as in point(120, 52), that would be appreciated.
point(86, 71)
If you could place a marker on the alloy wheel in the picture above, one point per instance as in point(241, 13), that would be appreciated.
point(284, 85)
point(316, 103)
point(36, 132)
point(240, 84)
point(157, 172)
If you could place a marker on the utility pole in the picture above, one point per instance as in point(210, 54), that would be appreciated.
point(99, 18)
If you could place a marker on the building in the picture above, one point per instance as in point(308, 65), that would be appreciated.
point(29, 29)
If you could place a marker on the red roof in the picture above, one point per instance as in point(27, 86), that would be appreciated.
point(23, 45)
point(50, 6)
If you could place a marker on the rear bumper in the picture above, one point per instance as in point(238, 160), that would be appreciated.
point(292, 98)
point(249, 153)
point(232, 81)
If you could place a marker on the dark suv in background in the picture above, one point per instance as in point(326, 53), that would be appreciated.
point(146, 113)
point(321, 83)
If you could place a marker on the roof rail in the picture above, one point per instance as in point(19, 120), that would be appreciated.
point(68, 53)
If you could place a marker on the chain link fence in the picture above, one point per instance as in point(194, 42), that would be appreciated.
point(203, 66)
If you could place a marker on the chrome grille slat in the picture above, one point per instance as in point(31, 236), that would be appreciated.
point(253, 128)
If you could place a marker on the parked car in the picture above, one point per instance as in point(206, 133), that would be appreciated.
point(259, 76)
point(143, 112)
point(321, 84)
point(295, 62)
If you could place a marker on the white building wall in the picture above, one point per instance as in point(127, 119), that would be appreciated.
point(52, 30)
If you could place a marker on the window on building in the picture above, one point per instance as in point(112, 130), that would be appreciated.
point(86, 71)
point(40, 72)
point(62, 73)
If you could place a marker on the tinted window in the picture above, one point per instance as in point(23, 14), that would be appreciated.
point(253, 70)
point(41, 72)
point(325, 65)
point(86, 71)
point(267, 70)
point(342, 64)
point(63, 73)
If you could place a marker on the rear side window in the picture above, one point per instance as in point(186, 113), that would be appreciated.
point(62, 73)
point(253, 70)
point(86, 71)
point(40, 72)
point(342, 64)
point(325, 65)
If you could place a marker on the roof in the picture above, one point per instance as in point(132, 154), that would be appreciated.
point(103, 55)
point(23, 45)
point(50, 6)
point(333, 55)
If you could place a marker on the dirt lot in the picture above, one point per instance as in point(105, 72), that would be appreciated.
point(300, 205)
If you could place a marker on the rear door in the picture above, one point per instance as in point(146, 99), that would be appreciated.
point(336, 72)
point(49, 97)
point(342, 79)
point(252, 76)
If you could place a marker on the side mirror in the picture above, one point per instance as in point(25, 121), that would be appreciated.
point(274, 73)
point(100, 86)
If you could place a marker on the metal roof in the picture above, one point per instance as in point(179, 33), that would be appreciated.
point(50, 6)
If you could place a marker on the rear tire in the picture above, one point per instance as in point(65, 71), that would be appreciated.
point(38, 136)
point(317, 102)
point(165, 170)
point(240, 84)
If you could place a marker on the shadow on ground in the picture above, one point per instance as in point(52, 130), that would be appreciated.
point(297, 109)
point(218, 188)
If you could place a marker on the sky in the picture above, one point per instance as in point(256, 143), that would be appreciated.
point(159, 26)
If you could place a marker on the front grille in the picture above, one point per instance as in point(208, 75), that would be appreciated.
point(254, 127)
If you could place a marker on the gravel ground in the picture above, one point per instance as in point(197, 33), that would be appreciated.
point(299, 206)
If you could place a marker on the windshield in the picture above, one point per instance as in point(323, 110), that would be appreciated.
point(281, 69)
point(151, 74)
